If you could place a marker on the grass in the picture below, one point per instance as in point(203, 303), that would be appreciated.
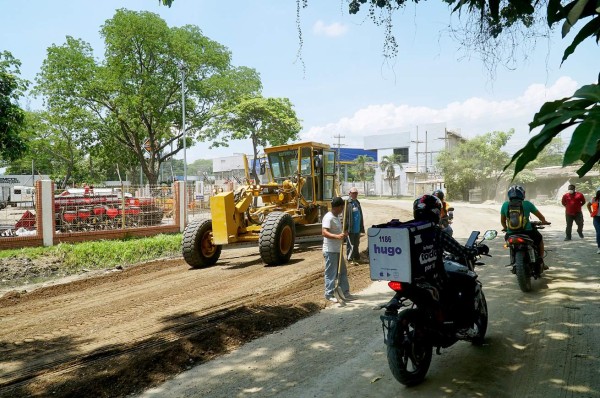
point(102, 254)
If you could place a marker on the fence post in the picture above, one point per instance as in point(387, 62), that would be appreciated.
point(46, 205)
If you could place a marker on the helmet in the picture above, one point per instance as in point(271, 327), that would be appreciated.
point(516, 192)
point(427, 208)
point(439, 193)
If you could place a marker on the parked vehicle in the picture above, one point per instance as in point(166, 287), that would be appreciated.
point(17, 196)
point(422, 315)
point(524, 257)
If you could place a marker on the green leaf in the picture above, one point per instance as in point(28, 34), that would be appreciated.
point(530, 151)
point(554, 13)
point(584, 141)
point(578, 104)
point(573, 16)
point(561, 116)
point(590, 92)
point(587, 166)
point(547, 110)
point(588, 30)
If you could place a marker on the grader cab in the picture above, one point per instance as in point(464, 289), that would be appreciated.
point(299, 183)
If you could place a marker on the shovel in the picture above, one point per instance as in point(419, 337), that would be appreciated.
point(338, 293)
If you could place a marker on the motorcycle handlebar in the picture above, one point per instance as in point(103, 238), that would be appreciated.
point(537, 224)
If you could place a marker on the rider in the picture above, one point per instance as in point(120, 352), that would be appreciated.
point(446, 214)
point(428, 208)
point(518, 192)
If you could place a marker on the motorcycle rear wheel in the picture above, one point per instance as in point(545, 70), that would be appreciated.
point(410, 356)
point(481, 318)
point(523, 272)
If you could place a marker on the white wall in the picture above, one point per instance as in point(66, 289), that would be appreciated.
point(228, 163)
point(424, 142)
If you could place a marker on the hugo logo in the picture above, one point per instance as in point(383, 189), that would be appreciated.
point(389, 250)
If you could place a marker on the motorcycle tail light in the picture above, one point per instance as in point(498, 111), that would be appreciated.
point(516, 239)
point(395, 286)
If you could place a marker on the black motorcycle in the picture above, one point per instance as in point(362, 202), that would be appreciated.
point(525, 261)
point(422, 316)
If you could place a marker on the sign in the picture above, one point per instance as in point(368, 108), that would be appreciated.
point(148, 145)
point(402, 252)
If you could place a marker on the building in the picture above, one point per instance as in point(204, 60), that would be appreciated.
point(18, 188)
point(418, 147)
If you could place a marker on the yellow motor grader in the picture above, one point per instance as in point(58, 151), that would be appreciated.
point(287, 208)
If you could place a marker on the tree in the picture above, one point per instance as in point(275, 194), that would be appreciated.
point(462, 170)
point(485, 24)
point(134, 94)
point(362, 170)
point(494, 18)
point(201, 167)
point(12, 117)
point(266, 121)
point(57, 146)
point(388, 165)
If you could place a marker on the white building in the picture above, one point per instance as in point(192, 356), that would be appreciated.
point(419, 147)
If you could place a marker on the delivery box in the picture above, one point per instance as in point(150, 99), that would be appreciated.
point(402, 252)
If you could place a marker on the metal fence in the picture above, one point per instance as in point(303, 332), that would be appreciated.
point(80, 210)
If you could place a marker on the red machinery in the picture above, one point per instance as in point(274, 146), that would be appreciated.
point(91, 209)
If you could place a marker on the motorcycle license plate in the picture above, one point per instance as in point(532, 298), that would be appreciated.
point(388, 324)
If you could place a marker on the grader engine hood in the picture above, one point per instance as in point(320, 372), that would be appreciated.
point(222, 208)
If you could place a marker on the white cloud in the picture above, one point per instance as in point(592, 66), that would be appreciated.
point(335, 29)
point(473, 116)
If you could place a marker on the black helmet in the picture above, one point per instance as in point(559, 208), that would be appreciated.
point(516, 192)
point(439, 193)
point(427, 208)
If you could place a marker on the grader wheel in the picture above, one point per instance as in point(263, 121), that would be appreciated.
point(276, 239)
point(197, 248)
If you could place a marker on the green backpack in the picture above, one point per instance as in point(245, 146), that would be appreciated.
point(516, 215)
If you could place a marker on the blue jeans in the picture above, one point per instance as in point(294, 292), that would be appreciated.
point(331, 266)
point(597, 228)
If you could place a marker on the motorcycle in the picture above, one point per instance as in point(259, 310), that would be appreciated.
point(446, 220)
point(420, 316)
point(524, 257)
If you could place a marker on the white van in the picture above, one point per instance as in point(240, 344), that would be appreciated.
point(21, 196)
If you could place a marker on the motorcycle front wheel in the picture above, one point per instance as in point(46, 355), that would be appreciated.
point(523, 272)
point(481, 318)
point(410, 356)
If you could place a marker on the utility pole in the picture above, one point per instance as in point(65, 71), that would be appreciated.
point(426, 170)
point(182, 69)
point(417, 158)
point(339, 145)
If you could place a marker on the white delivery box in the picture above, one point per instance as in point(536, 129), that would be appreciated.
point(402, 252)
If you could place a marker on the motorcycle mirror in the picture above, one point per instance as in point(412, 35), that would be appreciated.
point(450, 208)
point(490, 234)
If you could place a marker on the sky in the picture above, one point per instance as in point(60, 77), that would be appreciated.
point(342, 87)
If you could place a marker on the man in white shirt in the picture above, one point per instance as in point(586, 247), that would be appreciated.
point(332, 245)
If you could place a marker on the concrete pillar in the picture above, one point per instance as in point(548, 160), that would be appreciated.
point(47, 210)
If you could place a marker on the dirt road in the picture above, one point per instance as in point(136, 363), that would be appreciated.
point(122, 332)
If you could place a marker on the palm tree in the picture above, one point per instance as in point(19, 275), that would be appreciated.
point(388, 165)
point(363, 171)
